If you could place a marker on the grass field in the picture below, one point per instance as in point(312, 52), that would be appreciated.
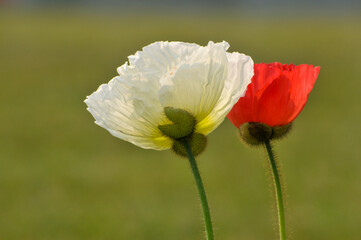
point(63, 177)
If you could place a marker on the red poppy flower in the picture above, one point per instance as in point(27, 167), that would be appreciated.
point(276, 94)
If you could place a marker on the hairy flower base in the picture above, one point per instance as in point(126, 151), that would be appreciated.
point(255, 133)
point(197, 141)
point(182, 130)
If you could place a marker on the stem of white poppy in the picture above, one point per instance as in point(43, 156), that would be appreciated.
point(278, 191)
point(201, 191)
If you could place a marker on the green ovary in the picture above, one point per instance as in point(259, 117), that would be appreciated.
point(181, 130)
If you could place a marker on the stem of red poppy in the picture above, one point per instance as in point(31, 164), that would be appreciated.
point(278, 191)
point(201, 191)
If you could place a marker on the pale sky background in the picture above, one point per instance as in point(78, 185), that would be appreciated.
point(233, 6)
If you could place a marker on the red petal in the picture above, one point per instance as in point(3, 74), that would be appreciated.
point(274, 106)
point(247, 108)
point(303, 78)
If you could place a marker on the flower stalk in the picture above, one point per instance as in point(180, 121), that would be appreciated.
point(278, 191)
point(201, 191)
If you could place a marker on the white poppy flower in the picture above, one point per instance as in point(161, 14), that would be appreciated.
point(204, 81)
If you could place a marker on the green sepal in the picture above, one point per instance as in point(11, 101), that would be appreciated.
point(279, 132)
point(182, 126)
point(197, 141)
point(255, 133)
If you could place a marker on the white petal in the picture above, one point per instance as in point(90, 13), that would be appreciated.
point(129, 109)
point(195, 81)
point(157, 59)
point(240, 72)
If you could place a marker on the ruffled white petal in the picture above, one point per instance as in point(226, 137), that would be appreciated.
point(128, 109)
point(158, 59)
point(195, 82)
point(240, 72)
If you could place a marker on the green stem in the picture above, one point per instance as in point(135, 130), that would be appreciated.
point(277, 183)
point(201, 191)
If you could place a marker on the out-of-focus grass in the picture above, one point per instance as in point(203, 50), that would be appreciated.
point(63, 177)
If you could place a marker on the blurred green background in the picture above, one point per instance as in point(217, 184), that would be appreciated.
point(63, 177)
